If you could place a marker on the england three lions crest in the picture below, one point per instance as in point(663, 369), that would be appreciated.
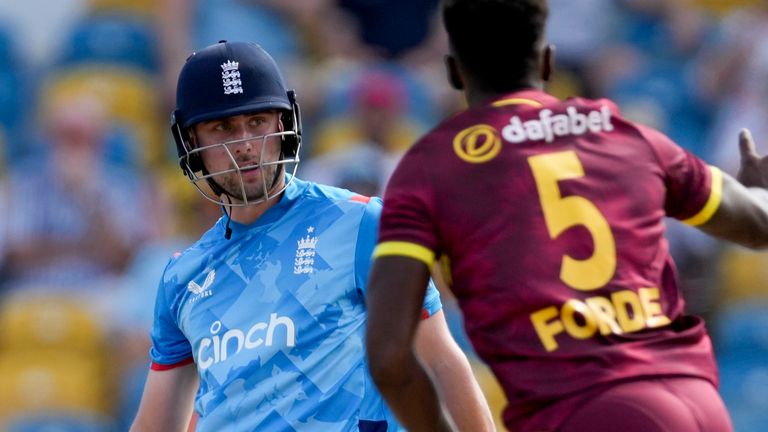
point(230, 77)
point(305, 253)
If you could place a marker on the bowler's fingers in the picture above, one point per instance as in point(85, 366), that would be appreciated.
point(747, 146)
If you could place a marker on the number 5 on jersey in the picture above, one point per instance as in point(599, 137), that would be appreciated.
point(561, 213)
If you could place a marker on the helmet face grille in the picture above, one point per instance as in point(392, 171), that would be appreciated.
point(224, 80)
point(207, 183)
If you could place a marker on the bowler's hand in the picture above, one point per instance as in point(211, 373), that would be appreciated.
point(754, 168)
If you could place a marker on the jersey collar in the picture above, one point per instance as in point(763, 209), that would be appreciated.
point(529, 97)
point(290, 195)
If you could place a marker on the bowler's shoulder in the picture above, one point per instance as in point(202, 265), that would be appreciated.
point(597, 104)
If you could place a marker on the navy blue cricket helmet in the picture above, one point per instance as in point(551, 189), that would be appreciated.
point(228, 79)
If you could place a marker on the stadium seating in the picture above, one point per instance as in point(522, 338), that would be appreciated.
point(137, 8)
point(59, 422)
point(62, 381)
point(232, 20)
point(661, 97)
point(741, 340)
point(54, 358)
point(742, 274)
point(723, 7)
point(111, 39)
point(112, 53)
point(51, 324)
point(12, 96)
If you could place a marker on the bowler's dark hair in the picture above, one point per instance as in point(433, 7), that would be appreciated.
point(496, 41)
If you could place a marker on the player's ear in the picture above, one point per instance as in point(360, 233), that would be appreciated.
point(454, 75)
point(547, 62)
point(192, 137)
point(280, 125)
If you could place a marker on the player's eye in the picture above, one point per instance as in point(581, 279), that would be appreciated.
point(222, 126)
point(257, 121)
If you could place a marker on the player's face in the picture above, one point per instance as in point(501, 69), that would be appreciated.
point(240, 150)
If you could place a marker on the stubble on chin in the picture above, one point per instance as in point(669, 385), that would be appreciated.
point(255, 189)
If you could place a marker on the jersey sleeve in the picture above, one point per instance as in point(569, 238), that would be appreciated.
point(366, 242)
point(170, 348)
point(407, 226)
point(694, 189)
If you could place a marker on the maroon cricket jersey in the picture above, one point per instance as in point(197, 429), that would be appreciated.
point(548, 218)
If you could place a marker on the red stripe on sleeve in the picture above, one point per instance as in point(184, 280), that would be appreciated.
point(360, 198)
point(162, 367)
point(192, 422)
point(424, 313)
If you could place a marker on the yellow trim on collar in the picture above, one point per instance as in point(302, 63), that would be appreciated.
point(517, 101)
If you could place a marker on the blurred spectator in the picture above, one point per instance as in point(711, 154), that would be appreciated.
point(13, 95)
point(186, 25)
point(736, 79)
point(125, 8)
point(113, 39)
point(426, 64)
point(111, 52)
point(73, 221)
point(363, 146)
point(378, 103)
point(27, 24)
point(392, 27)
point(650, 68)
point(576, 33)
point(138, 129)
point(722, 7)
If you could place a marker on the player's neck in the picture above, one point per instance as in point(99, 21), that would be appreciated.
point(477, 95)
point(247, 215)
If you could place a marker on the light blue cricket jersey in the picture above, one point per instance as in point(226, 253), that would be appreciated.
point(275, 317)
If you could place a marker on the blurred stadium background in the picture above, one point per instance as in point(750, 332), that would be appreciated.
point(92, 203)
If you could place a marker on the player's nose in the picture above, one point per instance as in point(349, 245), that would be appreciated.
point(245, 140)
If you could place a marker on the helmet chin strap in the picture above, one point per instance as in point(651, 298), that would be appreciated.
point(218, 190)
point(227, 229)
point(279, 171)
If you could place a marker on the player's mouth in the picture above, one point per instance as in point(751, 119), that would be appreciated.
point(249, 170)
